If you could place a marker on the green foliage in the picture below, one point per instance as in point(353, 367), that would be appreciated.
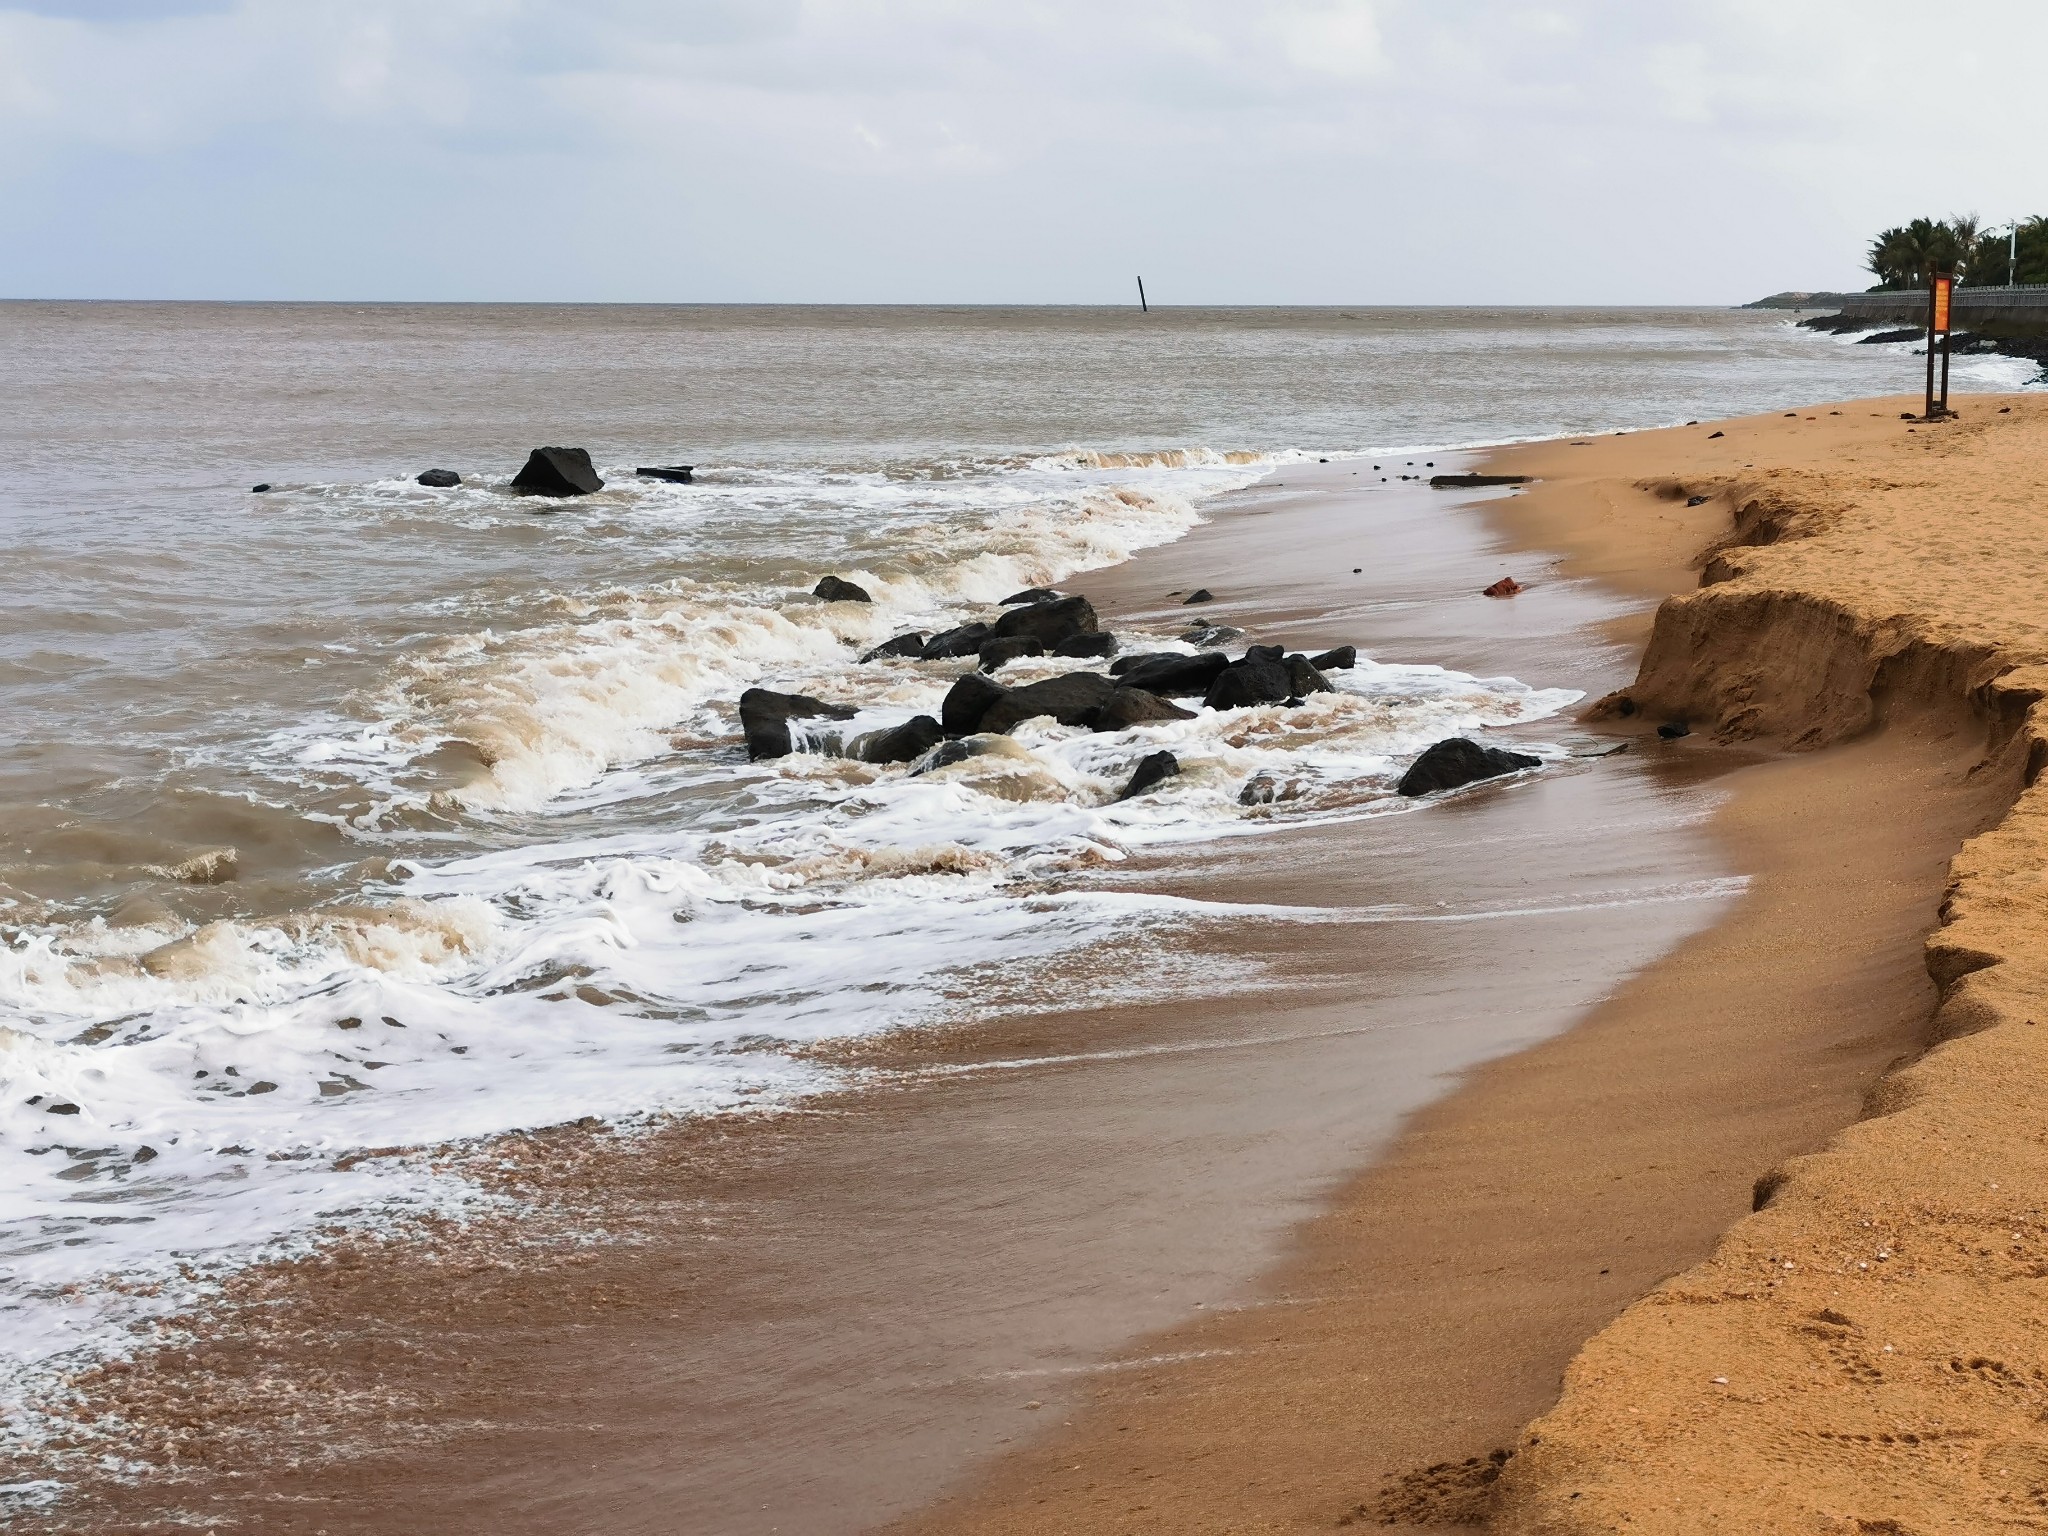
point(1991, 257)
point(1908, 255)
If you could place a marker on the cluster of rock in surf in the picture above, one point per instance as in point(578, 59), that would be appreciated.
point(552, 472)
point(1136, 689)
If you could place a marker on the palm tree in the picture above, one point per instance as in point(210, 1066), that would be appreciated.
point(1909, 256)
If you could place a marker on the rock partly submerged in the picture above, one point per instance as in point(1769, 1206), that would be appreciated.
point(836, 589)
point(904, 743)
point(1152, 769)
point(557, 472)
point(1455, 762)
point(765, 717)
point(977, 704)
point(910, 645)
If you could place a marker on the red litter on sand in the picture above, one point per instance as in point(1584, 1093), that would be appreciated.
point(1507, 586)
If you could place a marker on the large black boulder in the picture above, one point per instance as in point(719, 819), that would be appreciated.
point(1049, 622)
point(833, 590)
point(967, 640)
point(969, 699)
point(1303, 678)
point(1343, 657)
point(1260, 678)
point(1456, 761)
point(439, 479)
point(1151, 770)
point(997, 653)
point(557, 472)
point(765, 717)
point(1073, 698)
point(1169, 672)
point(903, 645)
point(904, 743)
point(1030, 595)
point(1126, 707)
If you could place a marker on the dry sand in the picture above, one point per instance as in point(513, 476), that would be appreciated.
point(1864, 1354)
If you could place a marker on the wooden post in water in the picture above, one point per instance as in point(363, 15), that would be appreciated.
point(1142, 305)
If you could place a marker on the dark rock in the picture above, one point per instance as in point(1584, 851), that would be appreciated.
point(1050, 622)
point(1507, 586)
point(1152, 769)
point(967, 701)
point(1441, 481)
point(967, 640)
point(1303, 678)
point(60, 1109)
point(1126, 707)
point(557, 472)
point(1168, 673)
point(1712, 435)
point(1210, 634)
point(1030, 595)
point(1260, 678)
point(904, 743)
point(1073, 698)
point(946, 755)
point(1342, 659)
point(834, 590)
point(258, 490)
point(911, 645)
point(1259, 789)
point(1875, 338)
point(1101, 643)
point(765, 717)
point(1671, 730)
point(439, 479)
point(680, 474)
point(999, 652)
point(1199, 595)
point(1697, 501)
point(1457, 761)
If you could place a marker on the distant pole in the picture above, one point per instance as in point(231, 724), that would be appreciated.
point(2012, 260)
point(1142, 305)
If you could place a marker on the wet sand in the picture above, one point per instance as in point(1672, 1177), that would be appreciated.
point(1854, 1357)
point(821, 1322)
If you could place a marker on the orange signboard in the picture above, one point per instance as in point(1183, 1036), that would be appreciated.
point(1942, 287)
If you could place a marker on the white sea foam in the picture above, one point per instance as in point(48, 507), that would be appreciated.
point(641, 924)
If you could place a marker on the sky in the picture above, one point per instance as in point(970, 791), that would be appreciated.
point(1003, 151)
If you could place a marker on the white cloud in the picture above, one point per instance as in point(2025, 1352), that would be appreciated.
point(1339, 150)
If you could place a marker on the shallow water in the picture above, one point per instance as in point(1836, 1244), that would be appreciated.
point(355, 814)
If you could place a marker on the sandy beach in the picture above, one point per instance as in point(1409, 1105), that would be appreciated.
point(1852, 1357)
point(1237, 1264)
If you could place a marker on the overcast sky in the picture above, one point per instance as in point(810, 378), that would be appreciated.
point(1312, 151)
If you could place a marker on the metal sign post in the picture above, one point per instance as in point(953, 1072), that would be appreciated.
point(1940, 293)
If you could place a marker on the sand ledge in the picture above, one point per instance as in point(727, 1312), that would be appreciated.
point(1863, 1352)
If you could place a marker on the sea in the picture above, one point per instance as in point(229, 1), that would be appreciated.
point(351, 815)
